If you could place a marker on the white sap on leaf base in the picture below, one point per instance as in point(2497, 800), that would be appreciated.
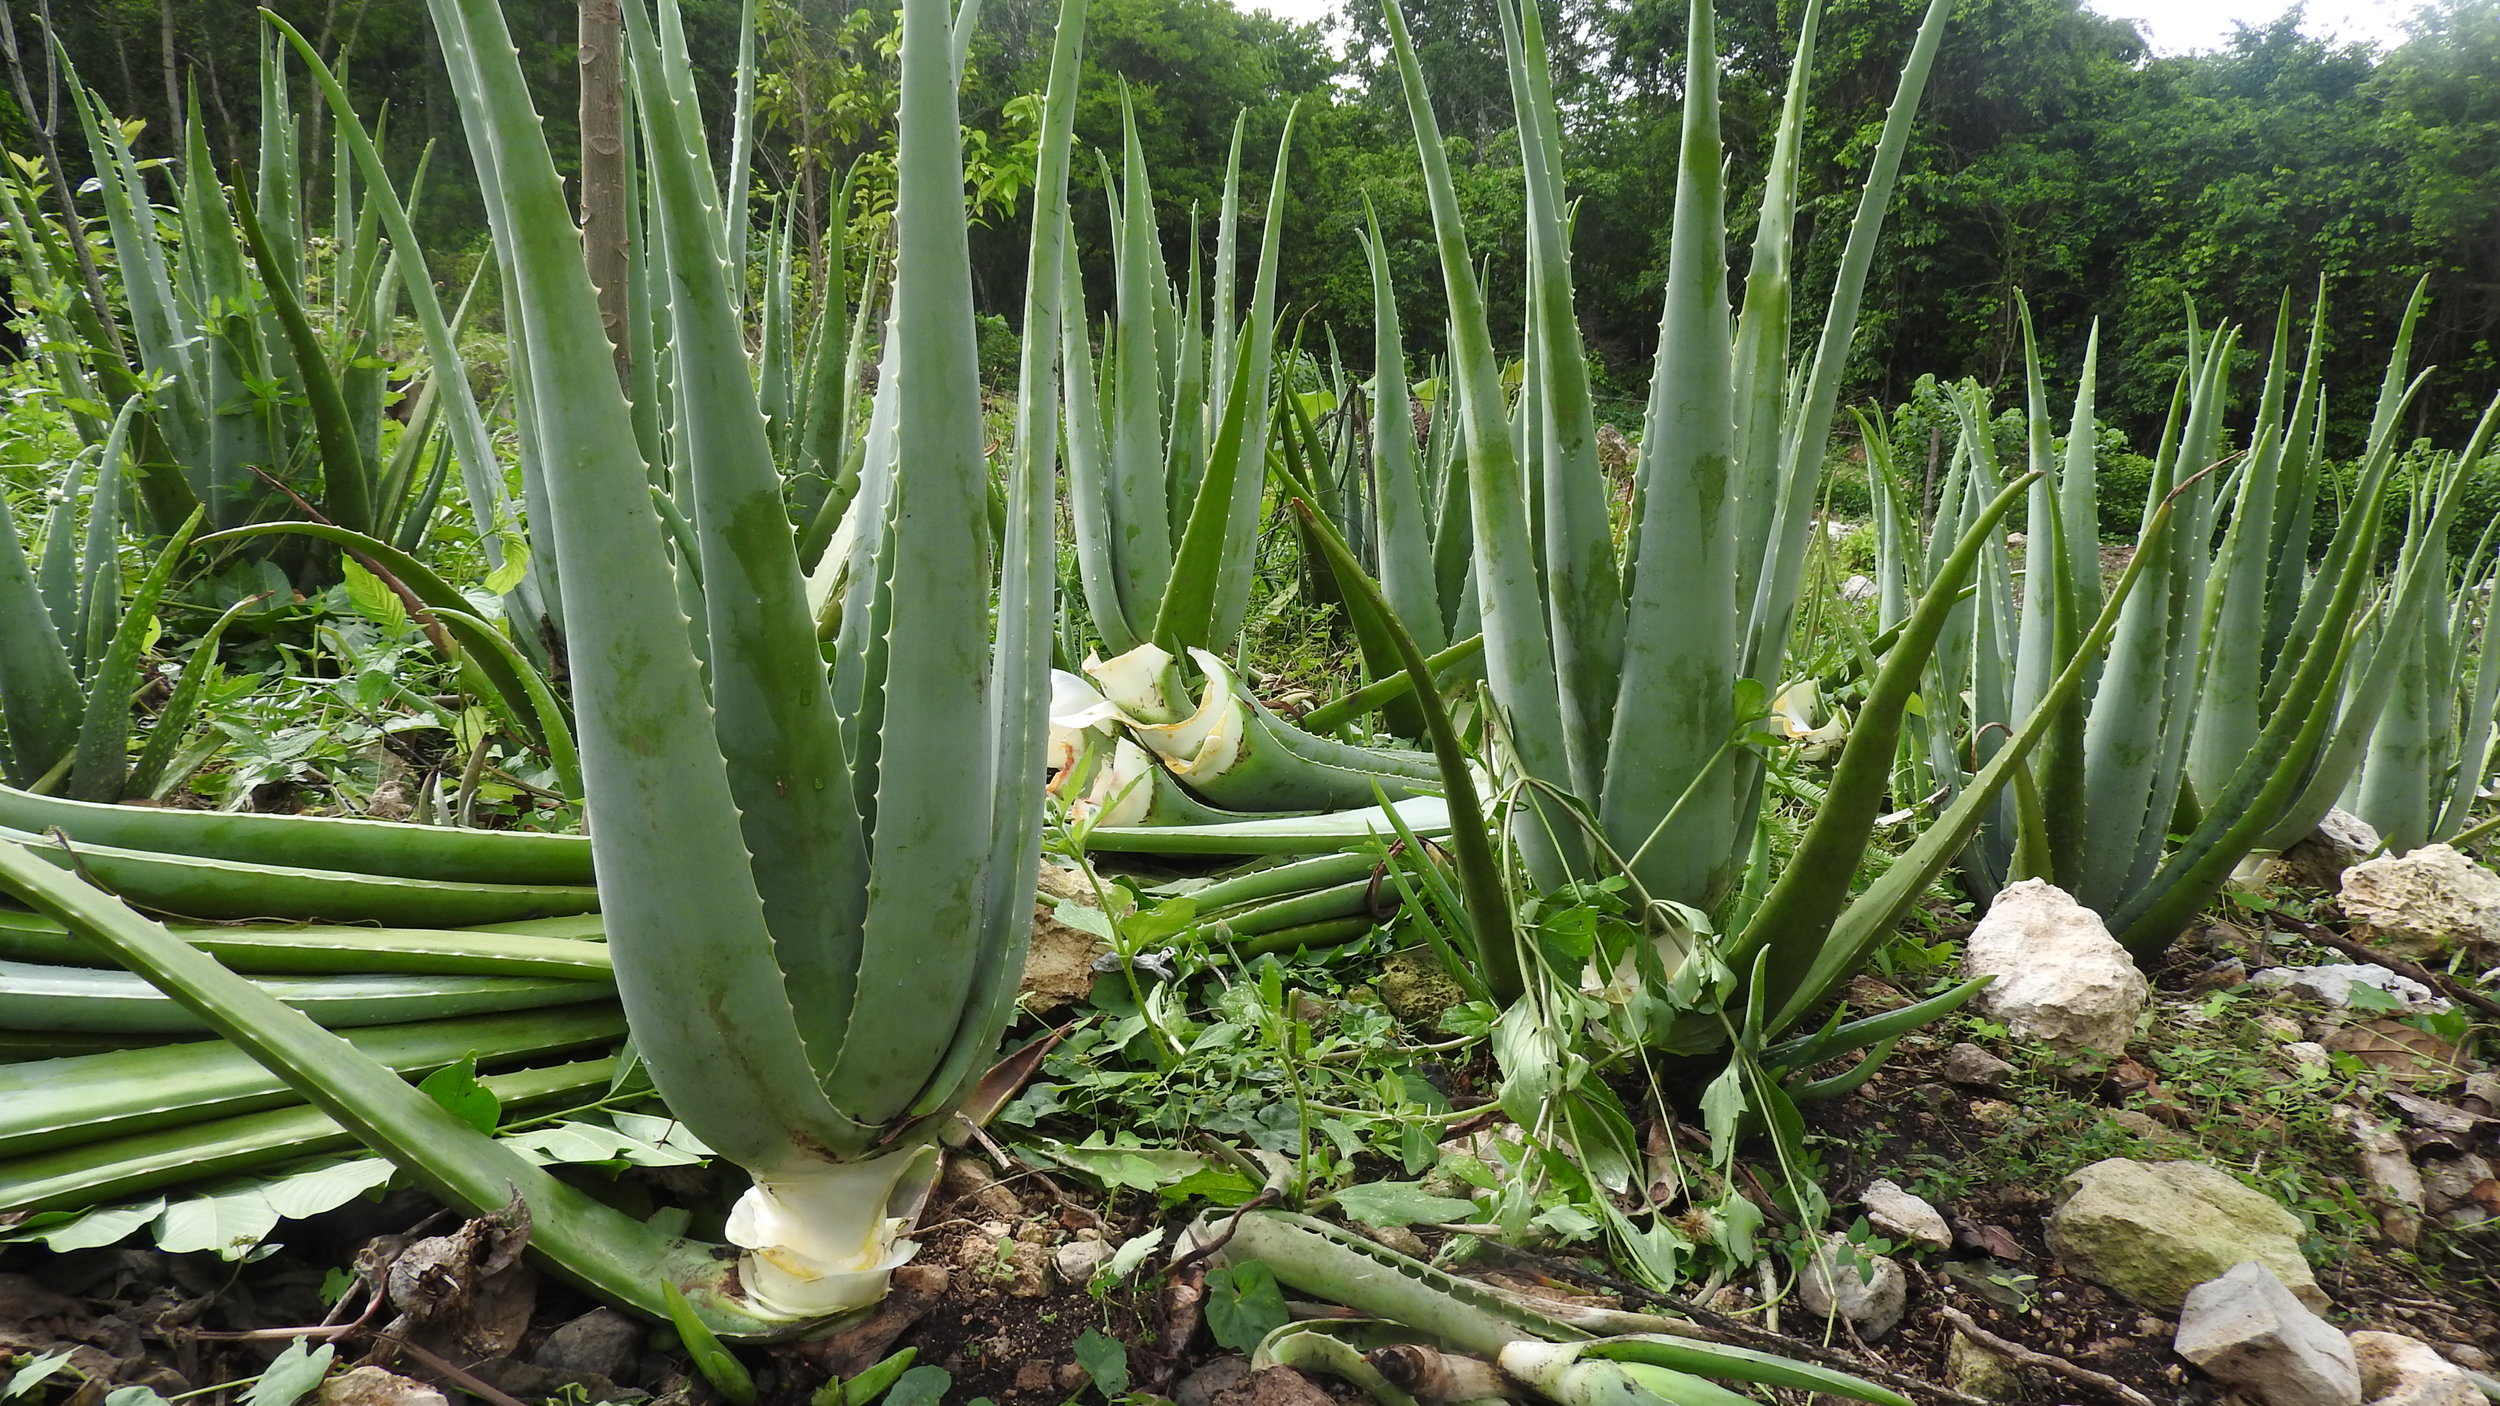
point(822, 1238)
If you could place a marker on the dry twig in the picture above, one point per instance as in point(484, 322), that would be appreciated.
point(2031, 1357)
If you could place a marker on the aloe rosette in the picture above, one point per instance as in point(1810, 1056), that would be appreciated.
point(815, 941)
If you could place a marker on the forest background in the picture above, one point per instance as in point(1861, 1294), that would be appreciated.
point(2056, 158)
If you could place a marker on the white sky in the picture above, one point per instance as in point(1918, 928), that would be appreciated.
point(2174, 26)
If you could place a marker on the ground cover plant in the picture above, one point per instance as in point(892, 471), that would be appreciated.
point(586, 883)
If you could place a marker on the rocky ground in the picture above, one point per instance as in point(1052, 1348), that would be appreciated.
point(2265, 1173)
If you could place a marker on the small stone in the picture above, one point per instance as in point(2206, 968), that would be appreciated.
point(2281, 1028)
point(1858, 588)
point(1974, 1068)
point(1982, 1372)
point(2308, 1054)
point(600, 1343)
point(2155, 1230)
point(1059, 959)
point(1034, 1374)
point(2319, 859)
point(2061, 979)
point(2332, 984)
point(2425, 905)
point(2388, 1171)
point(1986, 1280)
point(2246, 1330)
point(1994, 1113)
point(1868, 1290)
point(2137, 1122)
point(1400, 1239)
point(375, 1386)
point(2401, 1371)
point(2466, 1355)
point(968, 1179)
point(1070, 1378)
point(1199, 1388)
point(1274, 1386)
point(1076, 1261)
point(1898, 1213)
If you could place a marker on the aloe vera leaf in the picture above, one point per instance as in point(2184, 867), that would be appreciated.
point(1663, 762)
point(84, 1099)
point(1301, 876)
point(1708, 1359)
point(1141, 512)
point(1405, 525)
point(1803, 442)
point(305, 949)
point(118, 1002)
point(1321, 1260)
point(1238, 566)
point(196, 886)
point(311, 843)
point(1092, 516)
point(772, 705)
point(1587, 603)
point(102, 762)
point(1027, 602)
point(1519, 653)
point(91, 1173)
point(1425, 815)
point(39, 694)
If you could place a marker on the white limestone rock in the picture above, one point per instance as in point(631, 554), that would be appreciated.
point(1900, 1214)
point(2061, 979)
point(2401, 1371)
point(2425, 906)
point(1868, 1290)
point(2247, 1331)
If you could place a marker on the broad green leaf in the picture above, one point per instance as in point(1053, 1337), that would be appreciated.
point(1105, 1361)
point(1244, 1304)
point(921, 1386)
point(293, 1376)
point(325, 1188)
point(1393, 1203)
point(40, 1370)
point(228, 1224)
point(456, 1088)
point(106, 1225)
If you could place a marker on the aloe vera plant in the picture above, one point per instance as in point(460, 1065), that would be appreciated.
point(1617, 672)
point(814, 940)
point(1167, 437)
point(2246, 685)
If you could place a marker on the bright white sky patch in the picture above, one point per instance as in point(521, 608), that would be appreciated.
point(2174, 26)
point(2180, 26)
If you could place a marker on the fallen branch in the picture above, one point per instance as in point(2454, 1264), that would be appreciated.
point(2441, 982)
point(2031, 1357)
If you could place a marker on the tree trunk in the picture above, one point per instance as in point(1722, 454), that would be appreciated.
point(173, 77)
point(45, 121)
point(603, 168)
